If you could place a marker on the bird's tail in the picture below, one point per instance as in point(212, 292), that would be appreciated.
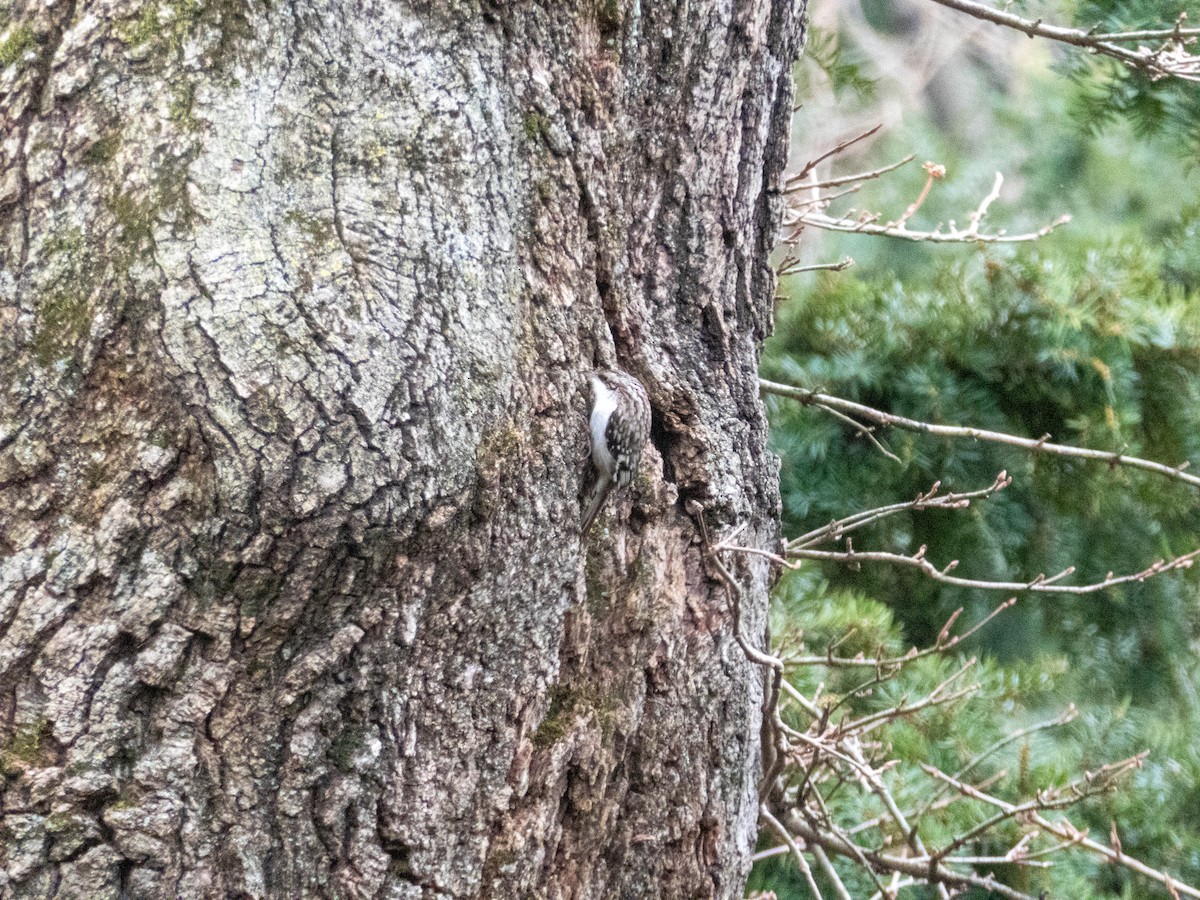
point(599, 495)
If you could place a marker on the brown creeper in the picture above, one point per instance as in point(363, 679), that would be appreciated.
point(620, 428)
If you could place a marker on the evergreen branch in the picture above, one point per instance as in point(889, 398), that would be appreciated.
point(1157, 63)
point(1041, 445)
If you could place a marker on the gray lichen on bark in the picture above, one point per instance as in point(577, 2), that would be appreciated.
point(297, 303)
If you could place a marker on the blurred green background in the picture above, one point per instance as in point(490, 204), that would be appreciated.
point(1091, 334)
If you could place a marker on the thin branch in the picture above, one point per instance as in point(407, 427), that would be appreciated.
point(1040, 585)
point(1011, 811)
point(1152, 34)
point(889, 802)
point(808, 706)
point(836, 529)
point(773, 676)
point(998, 861)
point(810, 210)
point(840, 833)
point(932, 173)
point(790, 268)
point(1069, 715)
point(794, 181)
point(823, 200)
point(777, 850)
point(897, 884)
point(1155, 63)
point(924, 870)
point(734, 594)
point(1088, 785)
point(813, 163)
point(831, 873)
point(937, 236)
point(787, 838)
point(868, 722)
point(945, 641)
point(1064, 829)
point(1068, 832)
point(865, 431)
point(1041, 445)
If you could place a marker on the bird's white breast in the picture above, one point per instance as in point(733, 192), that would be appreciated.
point(602, 409)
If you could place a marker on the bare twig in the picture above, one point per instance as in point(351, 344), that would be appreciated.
point(930, 500)
point(795, 182)
point(786, 837)
point(1152, 34)
point(808, 207)
point(1041, 585)
point(1040, 445)
point(1170, 59)
point(1080, 789)
point(944, 642)
point(865, 431)
point(924, 870)
point(866, 723)
point(889, 802)
point(1069, 715)
point(813, 163)
point(1068, 832)
point(830, 872)
point(831, 755)
point(792, 267)
point(1091, 783)
point(936, 236)
point(932, 173)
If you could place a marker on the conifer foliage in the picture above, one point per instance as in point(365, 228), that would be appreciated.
point(1090, 335)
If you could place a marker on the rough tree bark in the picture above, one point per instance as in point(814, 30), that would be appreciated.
point(297, 304)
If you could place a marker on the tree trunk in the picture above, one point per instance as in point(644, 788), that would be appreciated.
point(297, 307)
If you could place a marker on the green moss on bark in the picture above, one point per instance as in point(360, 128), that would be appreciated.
point(16, 42)
point(28, 747)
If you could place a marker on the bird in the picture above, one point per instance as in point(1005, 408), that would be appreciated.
point(620, 427)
